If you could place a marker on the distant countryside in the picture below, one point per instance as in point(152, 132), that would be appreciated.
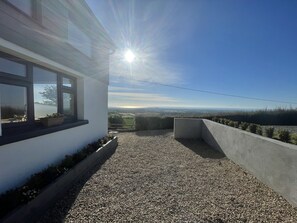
point(280, 124)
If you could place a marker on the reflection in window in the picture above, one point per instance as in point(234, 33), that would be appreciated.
point(67, 82)
point(11, 67)
point(45, 92)
point(13, 103)
point(68, 104)
point(24, 5)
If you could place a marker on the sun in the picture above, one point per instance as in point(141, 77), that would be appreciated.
point(129, 56)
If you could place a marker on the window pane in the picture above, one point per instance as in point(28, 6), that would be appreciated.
point(13, 101)
point(24, 5)
point(68, 104)
point(11, 67)
point(79, 39)
point(67, 82)
point(45, 92)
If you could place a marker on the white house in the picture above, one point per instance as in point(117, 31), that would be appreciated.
point(54, 58)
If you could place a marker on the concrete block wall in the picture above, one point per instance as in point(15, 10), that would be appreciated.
point(187, 128)
point(271, 161)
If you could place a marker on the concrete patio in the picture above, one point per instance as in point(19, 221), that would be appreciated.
point(153, 178)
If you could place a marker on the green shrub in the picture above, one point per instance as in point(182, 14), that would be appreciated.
point(284, 135)
point(259, 130)
point(244, 125)
point(115, 119)
point(231, 123)
point(10, 200)
point(269, 132)
point(226, 122)
point(253, 128)
point(215, 119)
point(68, 162)
point(236, 124)
point(79, 156)
point(294, 138)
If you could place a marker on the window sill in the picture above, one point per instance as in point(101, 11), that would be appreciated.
point(39, 131)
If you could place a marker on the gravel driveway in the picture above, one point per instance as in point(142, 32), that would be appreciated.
point(154, 178)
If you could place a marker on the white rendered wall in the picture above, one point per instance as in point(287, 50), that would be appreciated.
point(21, 159)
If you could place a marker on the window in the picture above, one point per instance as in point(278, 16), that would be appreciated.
point(25, 6)
point(78, 39)
point(68, 104)
point(13, 103)
point(68, 97)
point(29, 92)
point(12, 67)
point(67, 82)
point(45, 92)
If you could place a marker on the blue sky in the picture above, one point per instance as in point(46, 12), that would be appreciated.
point(238, 47)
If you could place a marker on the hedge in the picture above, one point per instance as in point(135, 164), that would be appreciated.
point(153, 123)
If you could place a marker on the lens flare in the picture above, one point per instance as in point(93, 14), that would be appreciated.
point(129, 56)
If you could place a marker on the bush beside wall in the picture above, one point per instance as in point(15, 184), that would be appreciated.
point(282, 135)
point(269, 132)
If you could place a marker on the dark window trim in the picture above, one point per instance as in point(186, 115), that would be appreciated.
point(27, 82)
point(71, 90)
point(16, 60)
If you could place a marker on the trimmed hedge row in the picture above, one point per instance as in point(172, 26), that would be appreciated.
point(153, 123)
point(282, 135)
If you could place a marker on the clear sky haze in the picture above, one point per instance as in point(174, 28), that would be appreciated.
point(235, 47)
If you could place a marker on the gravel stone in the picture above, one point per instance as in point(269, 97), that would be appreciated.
point(154, 178)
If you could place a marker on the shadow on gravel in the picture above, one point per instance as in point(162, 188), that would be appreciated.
point(153, 132)
point(201, 148)
point(57, 213)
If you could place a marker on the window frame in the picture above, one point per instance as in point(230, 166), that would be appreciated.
point(70, 90)
point(28, 83)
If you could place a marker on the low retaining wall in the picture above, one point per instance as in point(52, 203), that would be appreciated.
point(271, 161)
point(34, 209)
point(187, 128)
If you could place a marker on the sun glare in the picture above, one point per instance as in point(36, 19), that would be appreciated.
point(129, 56)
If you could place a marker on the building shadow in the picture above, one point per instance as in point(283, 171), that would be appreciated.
point(201, 148)
point(210, 139)
point(58, 211)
